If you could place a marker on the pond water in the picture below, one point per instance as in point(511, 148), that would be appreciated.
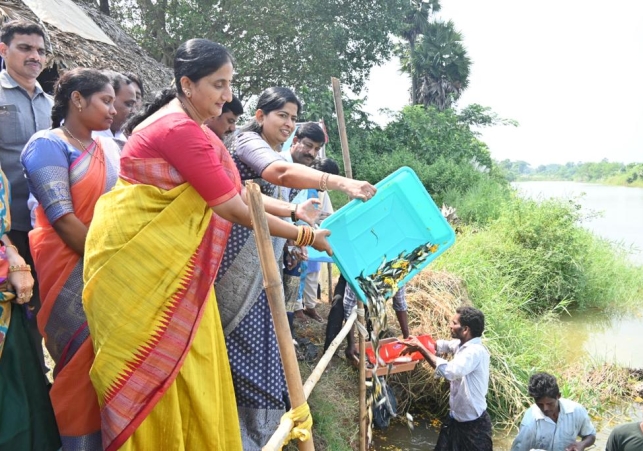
point(612, 337)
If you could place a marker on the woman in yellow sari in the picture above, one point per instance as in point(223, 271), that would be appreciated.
point(161, 370)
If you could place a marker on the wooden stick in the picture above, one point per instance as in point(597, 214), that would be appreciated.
point(329, 266)
point(330, 352)
point(275, 294)
point(343, 139)
point(363, 417)
point(277, 440)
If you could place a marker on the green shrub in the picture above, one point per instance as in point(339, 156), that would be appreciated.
point(481, 203)
point(542, 255)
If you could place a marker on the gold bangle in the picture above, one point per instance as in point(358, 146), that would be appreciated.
point(312, 238)
point(299, 235)
point(309, 236)
point(304, 238)
point(13, 247)
point(14, 268)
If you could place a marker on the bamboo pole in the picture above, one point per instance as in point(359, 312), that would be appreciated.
point(343, 139)
point(330, 352)
point(279, 437)
point(275, 295)
point(363, 417)
point(329, 267)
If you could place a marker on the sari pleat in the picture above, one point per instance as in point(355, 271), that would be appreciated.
point(153, 252)
point(61, 319)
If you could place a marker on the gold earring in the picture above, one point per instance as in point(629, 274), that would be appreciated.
point(80, 109)
point(188, 94)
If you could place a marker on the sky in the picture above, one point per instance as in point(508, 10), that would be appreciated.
point(569, 71)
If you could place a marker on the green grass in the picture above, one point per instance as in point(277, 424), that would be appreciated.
point(622, 180)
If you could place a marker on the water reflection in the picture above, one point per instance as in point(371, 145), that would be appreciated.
point(606, 336)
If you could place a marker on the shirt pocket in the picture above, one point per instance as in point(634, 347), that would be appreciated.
point(12, 129)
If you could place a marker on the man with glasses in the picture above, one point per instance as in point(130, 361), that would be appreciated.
point(307, 142)
point(24, 109)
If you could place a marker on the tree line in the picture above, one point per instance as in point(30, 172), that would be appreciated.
point(603, 171)
point(302, 44)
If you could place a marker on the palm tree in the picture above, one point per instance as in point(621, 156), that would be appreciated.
point(415, 23)
point(441, 65)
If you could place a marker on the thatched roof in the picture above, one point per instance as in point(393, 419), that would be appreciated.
point(70, 50)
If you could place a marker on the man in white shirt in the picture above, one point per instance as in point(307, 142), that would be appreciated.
point(124, 104)
point(468, 426)
point(138, 89)
point(553, 423)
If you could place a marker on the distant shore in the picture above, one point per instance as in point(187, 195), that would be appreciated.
point(611, 181)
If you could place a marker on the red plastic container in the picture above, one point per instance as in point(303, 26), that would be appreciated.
point(390, 352)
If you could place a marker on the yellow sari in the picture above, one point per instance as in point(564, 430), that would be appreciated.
point(161, 370)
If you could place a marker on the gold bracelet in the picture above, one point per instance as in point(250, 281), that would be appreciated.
point(309, 237)
point(323, 182)
point(14, 268)
point(299, 235)
point(312, 238)
point(304, 239)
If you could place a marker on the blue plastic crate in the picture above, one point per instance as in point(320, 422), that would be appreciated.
point(399, 218)
point(318, 256)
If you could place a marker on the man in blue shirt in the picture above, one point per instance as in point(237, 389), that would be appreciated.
point(24, 110)
point(553, 423)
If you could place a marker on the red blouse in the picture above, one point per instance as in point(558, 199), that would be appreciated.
point(182, 143)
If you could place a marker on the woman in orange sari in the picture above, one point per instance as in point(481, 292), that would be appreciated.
point(67, 172)
point(161, 370)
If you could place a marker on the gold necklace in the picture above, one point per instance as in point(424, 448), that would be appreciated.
point(196, 113)
point(85, 149)
point(82, 146)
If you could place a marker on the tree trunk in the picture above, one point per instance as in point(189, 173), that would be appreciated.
point(104, 6)
point(414, 81)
